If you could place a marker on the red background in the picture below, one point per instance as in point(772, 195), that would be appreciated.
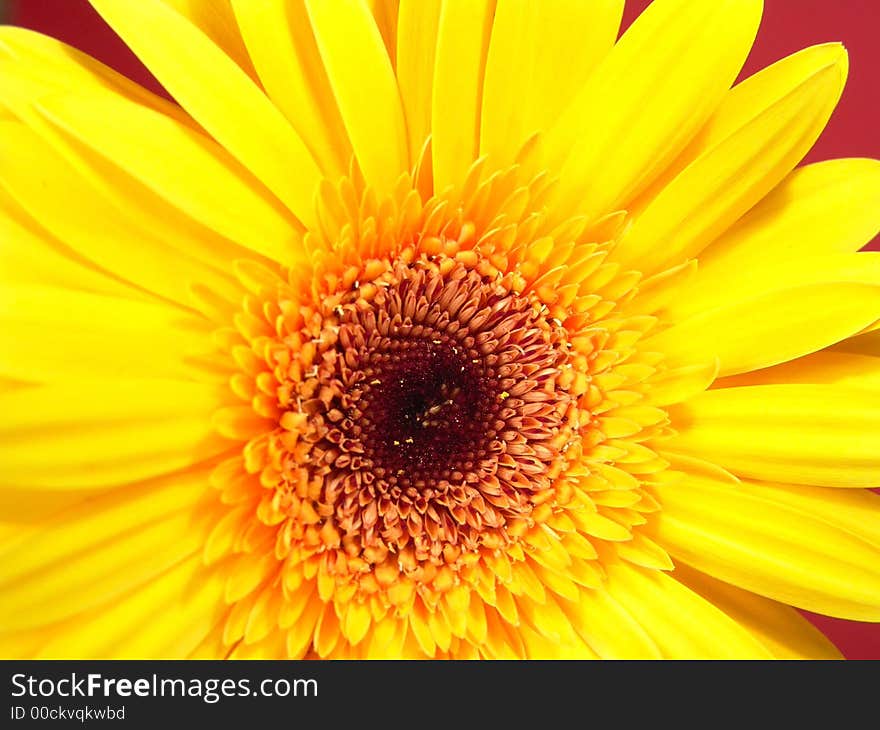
point(788, 26)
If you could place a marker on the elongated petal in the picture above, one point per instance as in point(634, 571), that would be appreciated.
point(187, 169)
point(829, 367)
point(523, 89)
point(780, 628)
point(363, 82)
point(862, 344)
point(462, 43)
point(765, 545)
point(852, 510)
point(805, 270)
point(101, 433)
point(608, 628)
point(386, 13)
point(819, 211)
point(416, 47)
point(144, 210)
point(24, 510)
point(282, 46)
point(678, 384)
point(216, 19)
point(653, 91)
point(127, 627)
point(30, 255)
point(95, 577)
point(771, 328)
point(68, 205)
point(742, 105)
point(682, 623)
point(826, 435)
point(220, 96)
point(54, 64)
point(90, 524)
point(49, 334)
point(195, 600)
point(724, 182)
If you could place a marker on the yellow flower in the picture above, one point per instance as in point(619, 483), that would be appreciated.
point(440, 330)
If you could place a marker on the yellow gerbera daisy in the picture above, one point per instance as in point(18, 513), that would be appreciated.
point(433, 329)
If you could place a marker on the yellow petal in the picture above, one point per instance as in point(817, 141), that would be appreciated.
point(358, 620)
point(212, 646)
point(98, 576)
point(696, 465)
point(187, 169)
point(476, 619)
point(541, 647)
point(441, 631)
point(874, 327)
point(766, 546)
point(263, 619)
point(822, 211)
point(416, 46)
point(680, 622)
point(56, 65)
point(523, 89)
point(767, 276)
point(94, 523)
point(678, 384)
point(274, 646)
point(29, 255)
point(644, 552)
point(363, 82)
point(728, 179)
point(829, 367)
point(825, 435)
point(281, 44)
point(852, 510)
point(742, 104)
point(828, 207)
point(300, 635)
point(500, 642)
point(50, 334)
point(551, 622)
point(780, 628)
point(326, 631)
point(387, 638)
point(250, 571)
point(864, 344)
point(196, 603)
point(596, 525)
point(655, 292)
point(462, 42)
point(220, 96)
point(104, 432)
point(294, 605)
point(128, 627)
point(643, 103)
point(23, 510)
point(608, 628)
point(385, 13)
point(41, 182)
point(142, 210)
point(215, 18)
point(419, 626)
point(771, 327)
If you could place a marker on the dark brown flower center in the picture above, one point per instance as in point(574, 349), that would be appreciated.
point(427, 411)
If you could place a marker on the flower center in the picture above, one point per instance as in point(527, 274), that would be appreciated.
point(436, 415)
point(427, 411)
